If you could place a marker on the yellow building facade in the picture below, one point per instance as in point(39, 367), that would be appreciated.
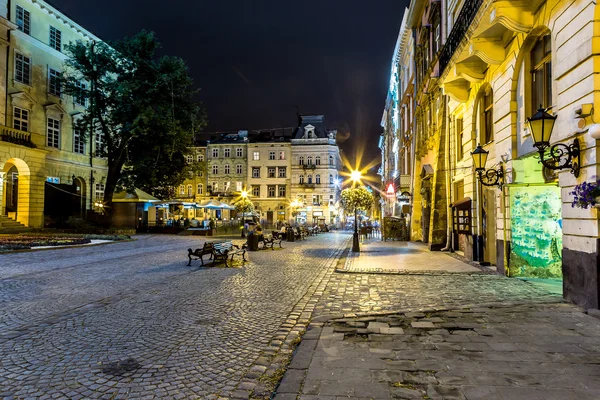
point(483, 68)
point(42, 154)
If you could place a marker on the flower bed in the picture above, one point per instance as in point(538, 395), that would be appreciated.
point(27, 241)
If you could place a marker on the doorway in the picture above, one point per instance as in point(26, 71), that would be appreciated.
point(488, 225)
point(12, 192)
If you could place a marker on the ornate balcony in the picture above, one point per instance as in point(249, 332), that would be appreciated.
point(16, 136)
point(459, 30)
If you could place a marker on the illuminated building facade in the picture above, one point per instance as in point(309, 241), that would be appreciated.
point(396, 142)
point(482, 68)
point(47, 167)
point(315, 171)
point(269, 174)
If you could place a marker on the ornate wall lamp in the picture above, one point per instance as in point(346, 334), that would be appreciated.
point(561, 155)
point(490, 177)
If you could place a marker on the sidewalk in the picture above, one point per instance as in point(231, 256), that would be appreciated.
point(526, 349)
point(376, 256)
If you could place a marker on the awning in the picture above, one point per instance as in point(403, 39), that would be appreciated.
point(138, 196)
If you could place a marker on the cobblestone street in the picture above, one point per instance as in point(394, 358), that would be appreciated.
point(130, 320)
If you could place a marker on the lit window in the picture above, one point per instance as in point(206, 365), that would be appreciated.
point(271, 172)
point(281, 189)
point(181, 189)
point(226, 169)
point(215, 153)
point(282, 155)
point(54, 82)
point(99, 191)
point(23, 20)
point(239, 152)
point(21, 119)
point(55, 38)
point(271, 155)
point(256, 156)
point(22, 69)
point(215, 187)
point(227, 152)
point(78, 142)
point(282, 171)
point(215, 169)
point(53, 133)
point(238, 186)
point(190, 191)
point(238, 169)
point(200, 189)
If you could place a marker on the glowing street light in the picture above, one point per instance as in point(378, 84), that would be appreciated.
point(355, 176)
point(244, 194)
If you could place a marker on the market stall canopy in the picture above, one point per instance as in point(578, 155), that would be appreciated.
point(227, 206)
point(137, 196)
point(212, 205)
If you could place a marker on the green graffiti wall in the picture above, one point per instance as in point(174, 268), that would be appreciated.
point(536, 224)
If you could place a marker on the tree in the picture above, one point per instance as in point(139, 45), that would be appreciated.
point(139, 111)
point(356, 199)
point(243, 206)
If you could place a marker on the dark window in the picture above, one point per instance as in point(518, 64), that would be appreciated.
point(54, 82)
point(256, 191)
point(541, 74)
point(459, 139)
point(486, 120)
point(271, 172)
point(55, 38)
point(271, 190)
point(22, 69)
point(281, 190)
point(23, 20)
point(78, 142)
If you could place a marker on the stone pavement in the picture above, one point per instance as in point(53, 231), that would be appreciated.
point(441, 335)
point(401, 257)
point(130, 320)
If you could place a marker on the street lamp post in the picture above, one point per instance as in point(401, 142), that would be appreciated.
point(355, 176)
point(244, 195)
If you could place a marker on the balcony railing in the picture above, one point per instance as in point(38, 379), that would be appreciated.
point(309, 166)
point(310, 185)
point(459, 30)
point(16, 136)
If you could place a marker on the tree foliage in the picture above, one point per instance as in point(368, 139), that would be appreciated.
point(244, 205)
point(141, 108)
point(357, 198)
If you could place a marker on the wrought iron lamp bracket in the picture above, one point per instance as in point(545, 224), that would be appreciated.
point(491, 177)
point(561, 156)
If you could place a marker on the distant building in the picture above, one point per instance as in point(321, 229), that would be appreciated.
point(315, 171)
point(269, 174)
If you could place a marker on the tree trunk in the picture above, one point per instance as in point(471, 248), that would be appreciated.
point(112, 178)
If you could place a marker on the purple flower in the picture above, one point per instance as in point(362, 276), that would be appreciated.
point(585, 194)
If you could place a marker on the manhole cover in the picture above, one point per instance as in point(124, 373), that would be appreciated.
point(118, 368)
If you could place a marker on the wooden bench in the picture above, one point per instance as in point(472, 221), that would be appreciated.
point(218, 251)
point(269, 240)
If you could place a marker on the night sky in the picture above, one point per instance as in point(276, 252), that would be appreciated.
point(254, 61)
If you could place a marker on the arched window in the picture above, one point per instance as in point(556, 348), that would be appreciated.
point(215, 169)
point(330, 179)
point(318, 160)
point(309, 178)
point(200, 189)
point(331, 160)
point(301, 179)
point(317, 178)
point(541, 73)
point(181, 189)
point(485, 124)
point(309, 160)
point(226, 169)
point(190, 191)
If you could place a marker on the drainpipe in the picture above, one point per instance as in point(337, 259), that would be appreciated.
point(448, 179)
point(92, 91)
